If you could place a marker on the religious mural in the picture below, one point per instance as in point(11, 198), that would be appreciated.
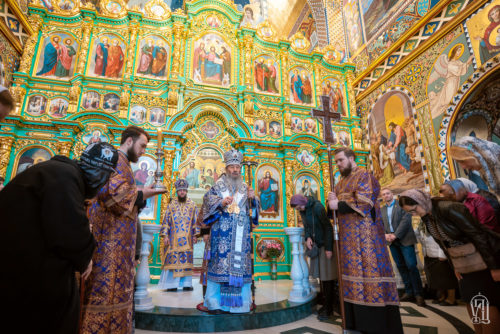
point(484, 31)
point(153, 57)
point(307, 185)
point(58, 107)
point(201, 171)
point(301, 91)
point(111, 102)
point(107, 57)
point(138, 114)
point(157, 116)
point(269, 191)
point(375, 12)
point(450, 70)
point(9, 61)
point(210, 130)
point(144, 174)
point(212, 61)
point(334, 89)
point(30, 157)
point(266, 72)
point(353, 25)
point(36, 105)
point(57, 56)
point(253, 13)
point(394, 149)
point(95, 136)
point(91, 100)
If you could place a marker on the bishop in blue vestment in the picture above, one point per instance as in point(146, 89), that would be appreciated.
point(225, 208)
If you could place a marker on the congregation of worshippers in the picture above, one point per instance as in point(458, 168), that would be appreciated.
point(77, 230)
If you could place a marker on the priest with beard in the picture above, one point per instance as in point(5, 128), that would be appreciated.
point(113, 215)
point(370, 293)
point(179, 233)
point(225, 210)
point(45, 228)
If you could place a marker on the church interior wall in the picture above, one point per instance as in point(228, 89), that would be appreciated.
point(110, 79)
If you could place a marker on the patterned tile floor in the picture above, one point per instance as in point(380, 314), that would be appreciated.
point(416, 320)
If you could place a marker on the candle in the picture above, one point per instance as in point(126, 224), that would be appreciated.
point(159, 138)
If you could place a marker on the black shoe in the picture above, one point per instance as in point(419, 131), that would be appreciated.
point(407, 298)
point(217, 312)
point(172, 290)
point(187, 288)
point(321, 309)
point(420, 301)
point(324, 316)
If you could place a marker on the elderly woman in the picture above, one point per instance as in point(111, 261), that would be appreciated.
point(479, 156)
point(474, 251)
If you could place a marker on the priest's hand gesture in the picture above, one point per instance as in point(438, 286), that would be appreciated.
point(333, 201)
point(226, 201)
point(150, 191)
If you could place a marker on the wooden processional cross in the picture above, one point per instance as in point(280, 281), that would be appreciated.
point(329, 116)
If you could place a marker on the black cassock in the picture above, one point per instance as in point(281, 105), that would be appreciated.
point(45, 238)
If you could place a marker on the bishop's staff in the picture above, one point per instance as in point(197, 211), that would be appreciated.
point(250, 164)
point(328, 116)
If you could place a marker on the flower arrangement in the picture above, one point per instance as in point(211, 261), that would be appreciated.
point(273, 249)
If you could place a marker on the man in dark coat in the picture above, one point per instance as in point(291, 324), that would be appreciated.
point(46, 238)
point(318, 230)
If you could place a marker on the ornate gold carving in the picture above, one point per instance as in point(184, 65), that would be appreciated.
point(284, 70)
point(289, 171)
point(84, 46)
point(131, 49)
point(288, 122)
point(68, 8)
point(178, 36)
point(173, 96)
point(30, 45)
point(350, 91)
point(165, 198)
point(248, 45)
point(17, 93)
point(266, 31)
point(249, 109)
point(299, 42)
point(113, 8)
point(74, 95)
point(5, 149)
point(124, 101)
point(326, 177)
point(157, 10)
point(64, 147)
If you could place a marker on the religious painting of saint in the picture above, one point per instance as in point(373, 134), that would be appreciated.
point(354, 30)
point(157, 116)
point(253, 14)
point(275, 129)
point(91, 100)
point(66, 5)
point(114, 7)
point(266, 72)
point(212, 61)
point(201, 170)
point(268, 190)
point(36, 105)
point(451, 68)
point(305, 157)
point(108, 56)
point(377, 12)
point(301, 91)
point(210, 130)
point(334, 90)
point(57, 56)
point(213, 21)
point(111, 102)
point(484, 35)
point(394, 148)
point(30, 157)
point(344, 138)
point(307, 185)
point(95, 136)
point(58, 107)
point(153, 57)
point(260, 128)
point(144, 174)
point(138, 114)
point(310, 126)
point(296, 125)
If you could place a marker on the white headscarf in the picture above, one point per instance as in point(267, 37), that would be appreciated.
point(469, 185)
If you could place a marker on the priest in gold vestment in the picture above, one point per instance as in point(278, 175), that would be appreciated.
point(179, 231)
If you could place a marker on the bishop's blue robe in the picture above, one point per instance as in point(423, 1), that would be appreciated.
point(229, 270)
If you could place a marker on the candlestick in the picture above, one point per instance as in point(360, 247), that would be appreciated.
point(159, 138)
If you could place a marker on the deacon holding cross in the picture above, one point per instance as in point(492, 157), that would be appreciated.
point(364, 264)
point(225, 210)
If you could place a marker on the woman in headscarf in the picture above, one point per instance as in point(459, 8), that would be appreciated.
point(491, 198)
point(453, 227)
point(474, 154)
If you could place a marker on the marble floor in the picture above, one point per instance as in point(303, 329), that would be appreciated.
point(433, 319)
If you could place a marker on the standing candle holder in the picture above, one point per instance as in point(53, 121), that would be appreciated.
point(159, 157)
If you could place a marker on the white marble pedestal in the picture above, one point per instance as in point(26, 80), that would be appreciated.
point(142, 300)
point(301, 291)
